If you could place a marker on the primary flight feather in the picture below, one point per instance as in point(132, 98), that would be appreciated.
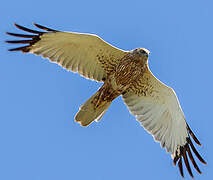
point(124, 73)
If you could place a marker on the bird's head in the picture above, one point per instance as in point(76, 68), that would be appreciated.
point(142, 53)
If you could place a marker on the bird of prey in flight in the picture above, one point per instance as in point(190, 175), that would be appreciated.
point(123, 73)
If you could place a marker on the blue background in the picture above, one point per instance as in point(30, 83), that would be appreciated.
point(38, 100)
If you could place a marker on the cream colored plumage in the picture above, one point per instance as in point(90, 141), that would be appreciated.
point(86, 54)
point(125, 73)
point(159, 113)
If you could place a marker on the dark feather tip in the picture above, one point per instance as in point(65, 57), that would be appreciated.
point(19, 42)
point(193, 135)
point(44, 28)
point(180, 167)
point(28, 30)
point(24, 49)
point(20, 35)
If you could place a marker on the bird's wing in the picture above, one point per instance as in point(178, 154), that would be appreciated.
point(86, 54)
point(157, 109)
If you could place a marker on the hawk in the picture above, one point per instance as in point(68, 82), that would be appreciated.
point(123, 73)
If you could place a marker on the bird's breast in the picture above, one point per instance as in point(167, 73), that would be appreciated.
point(128, 71)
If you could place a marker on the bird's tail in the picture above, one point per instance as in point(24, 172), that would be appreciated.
point(92, 110)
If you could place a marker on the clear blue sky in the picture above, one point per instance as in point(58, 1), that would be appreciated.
point(38, 100)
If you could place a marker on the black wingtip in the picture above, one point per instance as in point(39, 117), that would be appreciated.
point(34, 38)
point(28, 30)
point(183, 150)
point(181, 167)
point(19, 41)
point(175, 160)
point(192, 159)
point(193, 135)
point(195, 151)
point(23, 49)
point(20, 35)
point(44, 28)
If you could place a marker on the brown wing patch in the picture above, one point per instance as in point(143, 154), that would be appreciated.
point(108, 62)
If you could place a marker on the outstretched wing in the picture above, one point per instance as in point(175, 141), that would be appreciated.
point(86, 54)
point(157, 109)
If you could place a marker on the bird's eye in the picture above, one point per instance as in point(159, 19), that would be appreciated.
point(142, 51)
